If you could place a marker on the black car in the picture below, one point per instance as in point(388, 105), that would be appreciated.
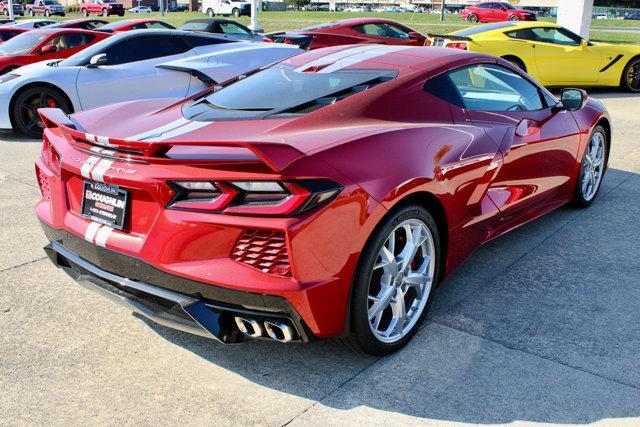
point(226, 27)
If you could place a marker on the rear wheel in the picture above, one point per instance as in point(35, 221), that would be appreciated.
point(25, 115)
point(210, 13)
point(514, 18)
point(47, 13)
point(630, 80)
point(32, 13)
point(516, 61)
point(5, 12)
point(236, 12)
point(472, 18)
point(105, 12)
point(85, 13)
point(394, 280)
point(592, 168)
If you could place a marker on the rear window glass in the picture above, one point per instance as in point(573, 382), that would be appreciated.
point(194, 26)
point(321, 26)
point(483, 28)
point(281, 87)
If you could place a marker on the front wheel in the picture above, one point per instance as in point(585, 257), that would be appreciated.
point(473, 18)
point(5, 12)
point(105, 12)
point(210, 13)
point(514, 18)
point(85, 13)
point(592, 168)
point(236, 13)
point(47, 13)
point(32, 13)
point(394, 281)
point(630, 80)
point(25, 117)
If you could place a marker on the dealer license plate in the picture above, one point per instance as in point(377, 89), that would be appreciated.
point(105, 204)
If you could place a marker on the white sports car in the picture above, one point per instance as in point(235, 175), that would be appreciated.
point(139, 64)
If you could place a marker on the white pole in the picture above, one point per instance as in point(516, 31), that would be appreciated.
point(10, 9)
point(255, 26)
point(161, 7)
point(575, 15)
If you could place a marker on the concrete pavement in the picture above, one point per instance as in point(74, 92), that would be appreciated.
point(539, 326)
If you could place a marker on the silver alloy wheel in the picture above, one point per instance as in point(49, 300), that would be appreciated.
point(592, 166)
point(401, 281)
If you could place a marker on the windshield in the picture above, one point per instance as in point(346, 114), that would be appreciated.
point(108, 1)
point(51, 2)
point(22, 44)
point(281, 87)
point(83, 57)
point(321, 26)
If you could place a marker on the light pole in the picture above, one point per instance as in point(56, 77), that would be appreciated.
point(10, 2)
point(255, 26)
point(442, 11)
point(161, 7)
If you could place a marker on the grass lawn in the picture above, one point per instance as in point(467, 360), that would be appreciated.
point(423, 22)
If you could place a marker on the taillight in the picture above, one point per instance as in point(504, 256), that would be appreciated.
point(268, 198)
point(427, 42)
point(51, 156)
point(462, 46)
point(267, 39)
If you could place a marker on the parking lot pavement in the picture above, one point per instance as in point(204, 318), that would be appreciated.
point(541, 326)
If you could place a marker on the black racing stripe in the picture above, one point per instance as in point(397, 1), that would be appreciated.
point(616, 59)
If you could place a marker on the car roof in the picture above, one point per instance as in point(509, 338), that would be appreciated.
point(74, 21)
point(162, 31)
point(501, 27)
point(210, 20)
point(126, 22)
point(46, 30)
point(405, 59)
point(349, 22)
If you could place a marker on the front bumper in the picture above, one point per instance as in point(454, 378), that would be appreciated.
point(210, 315)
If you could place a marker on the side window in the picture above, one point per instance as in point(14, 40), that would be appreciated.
point(556, 36)
point(381, 30)
point(522, 34)
point(196, 40)
point(142, 26)
point(231, 28)
point(484, 6)
point(143, 48)
point(487, 87)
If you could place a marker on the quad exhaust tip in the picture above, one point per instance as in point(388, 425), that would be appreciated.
point(250, 327)
point(279, 331)
point(275, 329)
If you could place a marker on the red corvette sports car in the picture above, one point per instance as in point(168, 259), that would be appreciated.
point(351, 31)
point(496, 12)
point(323, 196)
point(44, 44)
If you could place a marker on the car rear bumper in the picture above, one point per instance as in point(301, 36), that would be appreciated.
point(198, 308)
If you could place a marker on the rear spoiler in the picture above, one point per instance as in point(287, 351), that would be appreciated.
point(276, 155)
point(450, 37)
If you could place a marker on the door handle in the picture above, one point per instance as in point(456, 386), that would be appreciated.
point(527, 127)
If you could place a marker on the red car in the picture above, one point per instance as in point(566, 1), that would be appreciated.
point(43, 44)
point(496, 12)
point(101, 7)
point(7, 33)
point(134, 24)
point(351, 31)
point(82, 23)
point(18, 9)
point(324, 196)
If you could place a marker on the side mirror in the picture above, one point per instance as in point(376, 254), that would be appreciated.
point(98, 60)
point(50, 48)
point(573, 99)
point(415, 35)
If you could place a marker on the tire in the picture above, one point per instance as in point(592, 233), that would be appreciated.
point(514, 18)
point(236, 12)
point(32, 13)
point(23, 112)
point(47, 13)
point(516, 61)
point(472, 18)
point(373, 280)
point(105, 12)
point(593, 165)
point(210, 13)
point(5, 12)
point(85, 12)
point(630, 79)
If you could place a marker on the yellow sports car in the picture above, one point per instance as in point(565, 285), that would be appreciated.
point(551, 54)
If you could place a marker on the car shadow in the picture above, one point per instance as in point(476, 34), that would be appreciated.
point(448, 373)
